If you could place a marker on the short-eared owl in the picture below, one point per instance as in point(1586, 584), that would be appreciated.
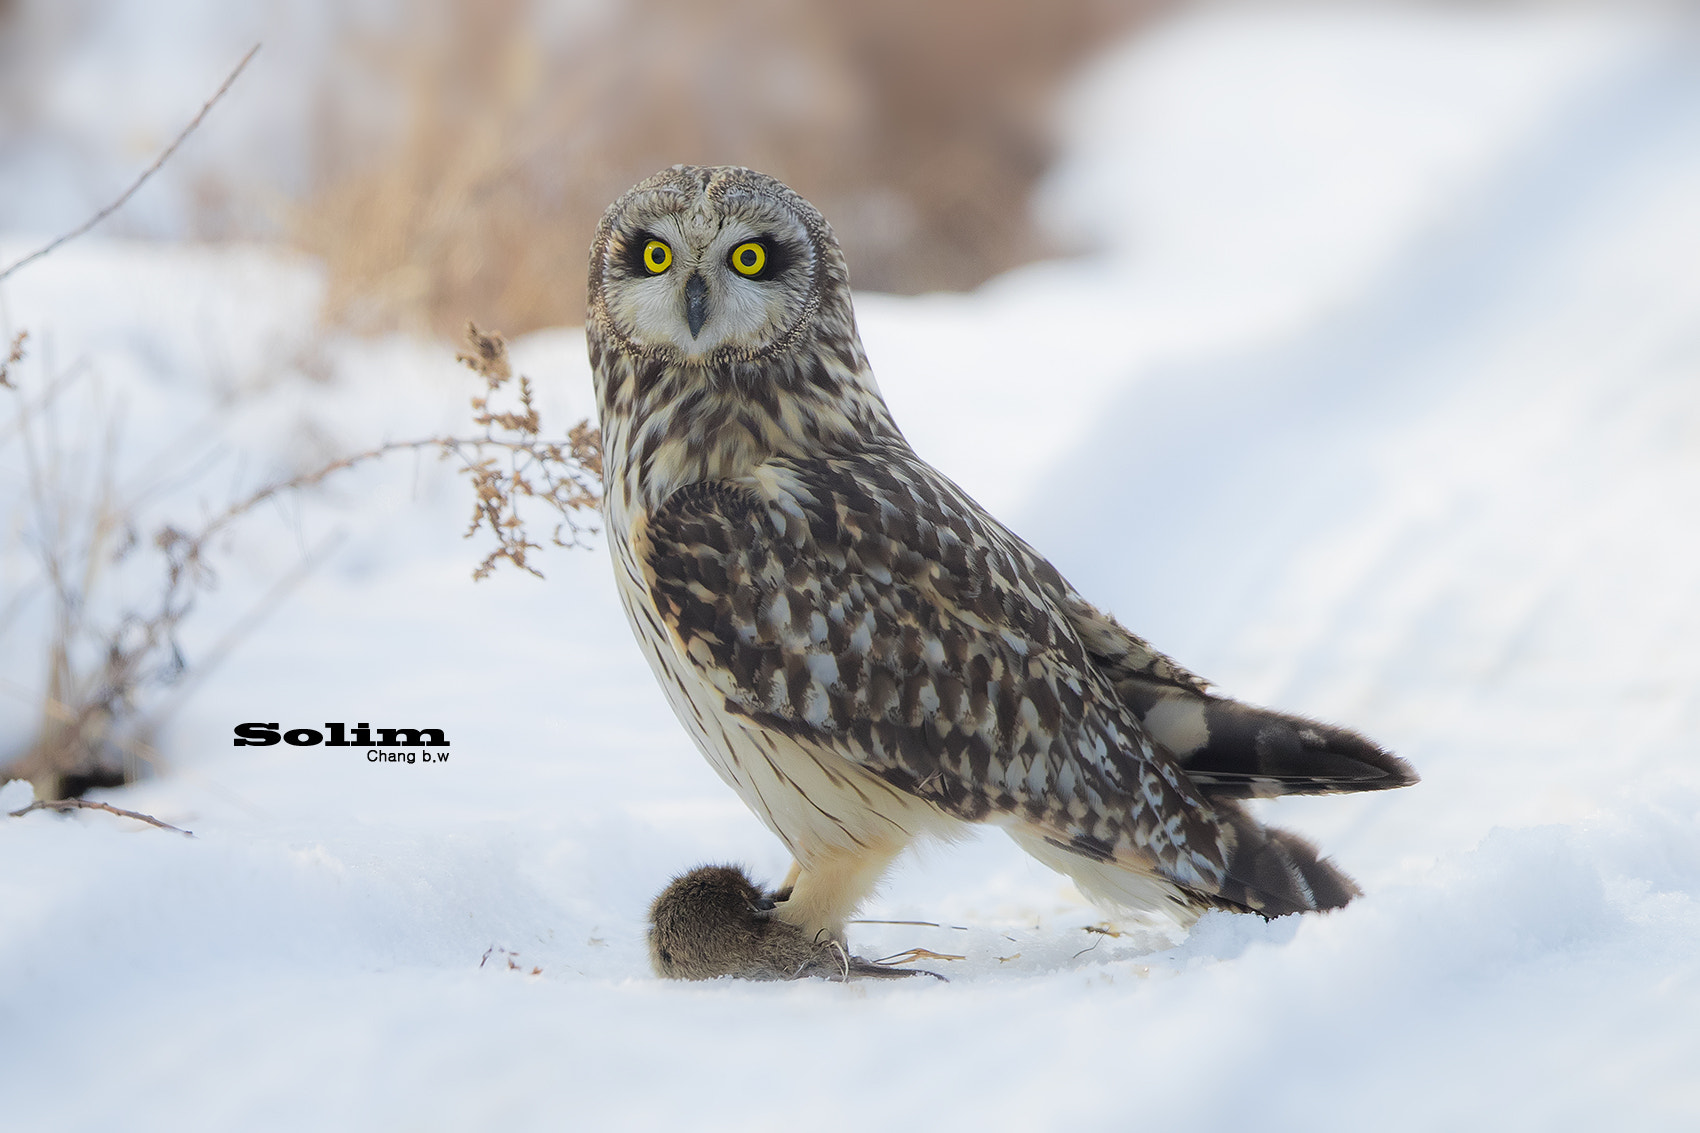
point(861, 651)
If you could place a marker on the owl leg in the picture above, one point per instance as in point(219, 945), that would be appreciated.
point(826, 891)
point(783, 893)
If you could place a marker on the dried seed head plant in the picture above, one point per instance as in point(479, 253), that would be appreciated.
point(97, 712)
point(100, 652)
point(563, 476)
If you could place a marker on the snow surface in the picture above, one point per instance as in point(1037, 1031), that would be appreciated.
point(1379, 400)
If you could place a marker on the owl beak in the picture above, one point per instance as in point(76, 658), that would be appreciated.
point(696, 302)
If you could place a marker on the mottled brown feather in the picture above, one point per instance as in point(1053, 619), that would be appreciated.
point(967, 687)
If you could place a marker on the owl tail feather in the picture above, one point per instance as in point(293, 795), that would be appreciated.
point(1275, 872)
point(1233, 750)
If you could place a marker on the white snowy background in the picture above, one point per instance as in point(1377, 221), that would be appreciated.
point(1374, 394)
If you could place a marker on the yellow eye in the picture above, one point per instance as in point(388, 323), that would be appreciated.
point(749, 258)
point(657, 257)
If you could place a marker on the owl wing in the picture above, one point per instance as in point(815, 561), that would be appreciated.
point(866, 605)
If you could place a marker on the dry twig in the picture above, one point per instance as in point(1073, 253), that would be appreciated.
point(13, 357)
point(915, 954)
point(509, 461)
point(79, 716)
point(146, 173)
point(63, 805)
point(1092, 947)
point(923, 924)
point(564, 476)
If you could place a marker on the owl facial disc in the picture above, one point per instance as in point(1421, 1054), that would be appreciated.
point(701, 270)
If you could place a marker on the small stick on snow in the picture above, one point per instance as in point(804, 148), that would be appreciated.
point(1084, 951)
point(84, 804)
point(148, 172)
point(915, 954)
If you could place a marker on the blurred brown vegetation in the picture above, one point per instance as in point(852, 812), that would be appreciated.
point(919, 129)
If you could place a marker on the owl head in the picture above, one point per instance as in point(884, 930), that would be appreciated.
point(721, 335)
point(716, 266)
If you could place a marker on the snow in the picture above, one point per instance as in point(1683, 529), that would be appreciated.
point(1377, 400)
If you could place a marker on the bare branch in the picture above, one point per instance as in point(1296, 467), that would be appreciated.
point(63, 805)
point(148, 172)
